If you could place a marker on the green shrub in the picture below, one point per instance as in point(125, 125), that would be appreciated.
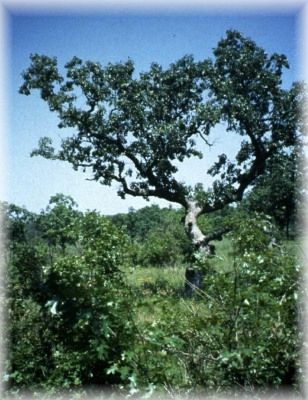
point(240, 332)
point(68, 315)
point(76, 320)
point(251, 336)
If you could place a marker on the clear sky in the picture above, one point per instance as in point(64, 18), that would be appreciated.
point(112, 37)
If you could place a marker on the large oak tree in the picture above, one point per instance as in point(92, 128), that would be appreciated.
point(136, 130)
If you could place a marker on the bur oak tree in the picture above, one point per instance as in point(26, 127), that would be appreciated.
point(136, 129)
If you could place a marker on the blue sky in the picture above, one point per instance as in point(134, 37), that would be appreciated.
point(113, 37)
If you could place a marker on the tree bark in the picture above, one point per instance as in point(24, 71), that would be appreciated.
point(193, 274)
point(201, 245)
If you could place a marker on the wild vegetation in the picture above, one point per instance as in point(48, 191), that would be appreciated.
point(89, 309)
point(198, 300)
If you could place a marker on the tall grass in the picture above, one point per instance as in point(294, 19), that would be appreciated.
point(158, 286)
point(172, 278)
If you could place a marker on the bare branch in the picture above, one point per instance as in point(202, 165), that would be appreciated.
point(205, 140)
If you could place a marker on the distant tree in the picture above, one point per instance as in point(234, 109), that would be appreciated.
point(156, 235)
point(20, 223)
point(138, 223)
point(59, 222)
point(278, 191)
point(136, 130)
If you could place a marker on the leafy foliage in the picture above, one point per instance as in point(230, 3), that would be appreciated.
point(135, 131)
point(75, 320)
point(278, 192)
point(157, 236)
point(67, 313)
point(59, 221)
point(243, 332)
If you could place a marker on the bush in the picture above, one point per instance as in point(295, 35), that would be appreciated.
point(251, 336)
point(68, 316)
point(74, 323)
point(161, 248)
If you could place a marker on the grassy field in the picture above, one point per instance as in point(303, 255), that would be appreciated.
point(161, 289)
point(171, 279)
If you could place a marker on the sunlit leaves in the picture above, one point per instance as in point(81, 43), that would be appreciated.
point(135, 129)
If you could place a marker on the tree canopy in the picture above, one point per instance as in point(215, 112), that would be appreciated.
point(136, 130)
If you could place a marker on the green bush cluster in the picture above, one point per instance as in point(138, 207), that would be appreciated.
point(81, 314)
point(157, 236)
point(67, 302)
point(240, 332)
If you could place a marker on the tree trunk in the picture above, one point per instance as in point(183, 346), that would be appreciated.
point(193, 274)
